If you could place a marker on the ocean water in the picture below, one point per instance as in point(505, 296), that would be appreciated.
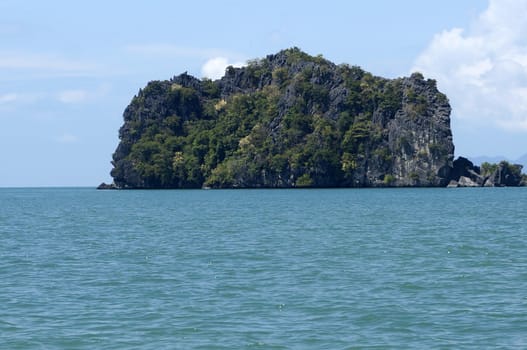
point(263, 269)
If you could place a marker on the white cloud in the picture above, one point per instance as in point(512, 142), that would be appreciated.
point(67, 138)
point(214, 68)
point(6, 98)
point(80, 95)
point(16, 99)
point(72, 96)
point(483, 69)
point(170, 50)
point(43, 61)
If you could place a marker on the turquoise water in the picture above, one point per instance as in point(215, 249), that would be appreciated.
point(263, 269)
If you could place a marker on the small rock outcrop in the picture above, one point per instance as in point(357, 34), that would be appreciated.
point(287, 120)
point(467, 182)
point(105, 186)
point(465, 174)
point(506, 174)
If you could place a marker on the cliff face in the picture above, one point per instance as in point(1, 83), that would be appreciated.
point(289, 120)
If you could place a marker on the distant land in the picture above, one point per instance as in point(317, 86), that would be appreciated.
point(294, 120)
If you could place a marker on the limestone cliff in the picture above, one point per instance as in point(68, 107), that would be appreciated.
point(288, 120)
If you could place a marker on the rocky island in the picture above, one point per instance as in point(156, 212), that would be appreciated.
point(292, 120)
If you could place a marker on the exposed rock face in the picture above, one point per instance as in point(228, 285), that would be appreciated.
point(466, 170)
point(467, 182)
point(289, 120)
point(465, 174)
point(421, 137)
point(506, 175)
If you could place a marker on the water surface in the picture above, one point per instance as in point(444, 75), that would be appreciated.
point(263, 269)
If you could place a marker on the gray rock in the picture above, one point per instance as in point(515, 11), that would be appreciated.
point(476, 177)
point(452, 184)
point(489, 183)
point(467, 182)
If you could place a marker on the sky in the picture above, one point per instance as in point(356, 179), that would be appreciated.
point(68, 69)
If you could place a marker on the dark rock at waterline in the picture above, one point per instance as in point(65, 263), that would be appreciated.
point(105, 186)
point(464, 168)
point(507, 175)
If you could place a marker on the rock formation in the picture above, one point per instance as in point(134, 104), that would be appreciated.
point(288, 120)
point(465, 174)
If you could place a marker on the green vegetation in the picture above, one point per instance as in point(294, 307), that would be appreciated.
point(388, 179)
point(504, 173)
point(488, 169)
point(514, 169)
point(297, 120)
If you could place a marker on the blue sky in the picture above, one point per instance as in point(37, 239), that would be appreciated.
point(68, 69)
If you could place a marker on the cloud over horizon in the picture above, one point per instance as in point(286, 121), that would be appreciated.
point(72, 96)
point(67, 138)
point(483, 68)
point(171, 50)
point(17, 60)
point(214, 68)
point(9, 97)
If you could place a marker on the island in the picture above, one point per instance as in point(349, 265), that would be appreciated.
point(292, 120)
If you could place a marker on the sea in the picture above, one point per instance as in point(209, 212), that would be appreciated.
point(412, 268)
